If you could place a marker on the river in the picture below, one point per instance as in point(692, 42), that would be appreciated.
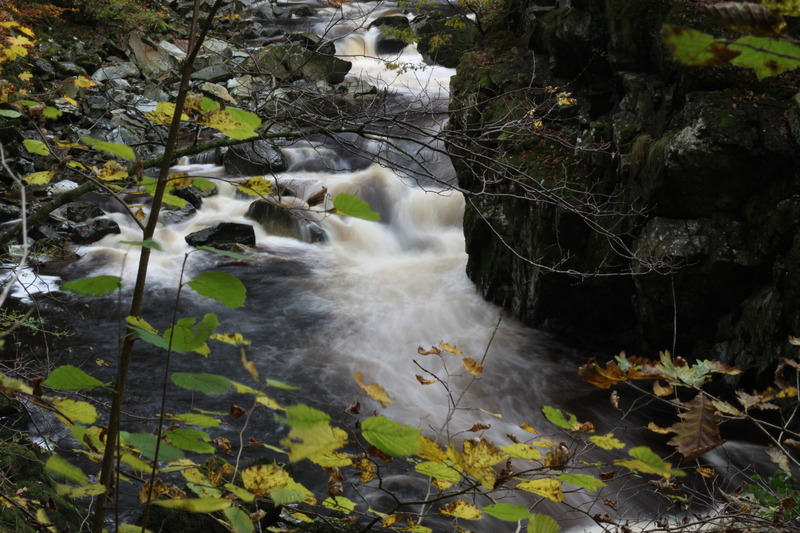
point(364, 300)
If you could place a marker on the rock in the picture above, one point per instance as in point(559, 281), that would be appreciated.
point(283, 222)
point(124, 70)
point(453, 38)
point(223, 235)
point(254, 159)
point(291, 61)
point(213, 73)
point(94, 230)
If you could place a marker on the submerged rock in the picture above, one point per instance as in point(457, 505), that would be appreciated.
point(254, 159)
point(281, 221)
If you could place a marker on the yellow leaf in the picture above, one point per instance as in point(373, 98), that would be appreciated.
point(314, 442)
point(27, 31)
point(69, 100)
point(250, 366)
point(652, 426)
point(529, 428)
point(706, 471)
point(523, 451)
point(424, 381)
point(450, 348)
point(25, 76)
point(373, 390)
point(67, 144)
point(367, 469)
point(111, 171)
point(547, 488)
point(430, 451)
point(434, 350)
point(164, 113)
point(139, 213)
point(39, 178)
point(179, 179)
point(496, 415)
point(607, 442)
point(237, 339)
point(461, 509)
point(139, 322)
point(268, 402)
point(77, 411)
point(256, 186)
point(84, 82)
point(789, 392)
point(193, 475)
point(263, 479)
point(472, 366)
point(478, 460)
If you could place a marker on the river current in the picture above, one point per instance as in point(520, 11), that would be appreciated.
point(364, 300)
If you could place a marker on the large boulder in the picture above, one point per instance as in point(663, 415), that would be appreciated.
point(288, 61)
point(279, 220)
point(254, 159)
point(223, 235)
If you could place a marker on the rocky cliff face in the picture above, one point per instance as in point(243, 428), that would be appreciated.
point(643, 205)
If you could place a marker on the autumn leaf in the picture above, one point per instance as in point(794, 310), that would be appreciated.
point(424, 381)
point(256, 186)
point(698, 432)
point(111, 171)
point(263, 479)
point(373, 390)
point(472, 366)
point(163, 113)
point(547, 488)
point(433, 351)
point(450, 348)
point(478, 458)
point(85, 82)
point(461, 509)
point(25, 76)
point(529, 428)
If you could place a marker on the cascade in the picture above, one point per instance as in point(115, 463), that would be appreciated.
point(363, 300)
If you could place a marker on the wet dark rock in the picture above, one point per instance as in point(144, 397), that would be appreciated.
point(281, 221)
point(94, 230)
point(454, 37)
point(292, 60)
point(254, 159)
point(706, 161)
point(123, 70)
point(223, 235)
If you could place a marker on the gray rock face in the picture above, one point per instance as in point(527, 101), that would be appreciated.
point(124, 69)
point(291, 60)
point(703, 163)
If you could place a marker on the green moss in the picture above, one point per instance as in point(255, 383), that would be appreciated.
point(639, 151)
point(656, 152)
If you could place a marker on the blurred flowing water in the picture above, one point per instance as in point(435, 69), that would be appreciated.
point(364, 300)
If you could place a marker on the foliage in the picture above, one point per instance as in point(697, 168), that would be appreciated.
point(765, 48)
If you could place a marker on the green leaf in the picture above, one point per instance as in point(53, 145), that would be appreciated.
point(10, 113)
point(766, 56)
point(93, 286)
point(555, 416)
point(790, 8)
point(191, 440)
point(584, 481)
point(52, 113)
point(149, 243)
point(239, 520)
point(303, 416)
point(224, 288)
point(206, 383)
point(280, 385)
point(120, 150)
point(695, 48)
point(128, 528)
point(339, 504)
point(245, 117)
point(196, 419)
point(351, 206)
point(80, 492)
point(226, 253)
point(187, 337)
point(507, 511)
point(36, 147)
point(68, 377)
point(391, 437)
point(443, 471)
point(204, 184)
point(146, 444)
point(647, 461)
point(541, 523)
point(63, 469)
point(39, 178)
point(150, 337)
point(196, 505)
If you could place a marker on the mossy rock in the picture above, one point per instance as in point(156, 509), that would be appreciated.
point(28, 484)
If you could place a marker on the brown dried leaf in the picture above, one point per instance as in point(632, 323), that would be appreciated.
point(424, 381)
point(698, 432)
point(433, 351)
point(223, 444)
point(450, 348)
point(472, 366)
point(747, 17)
point(236, 410)
point(662, 390)
point(479, 426)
